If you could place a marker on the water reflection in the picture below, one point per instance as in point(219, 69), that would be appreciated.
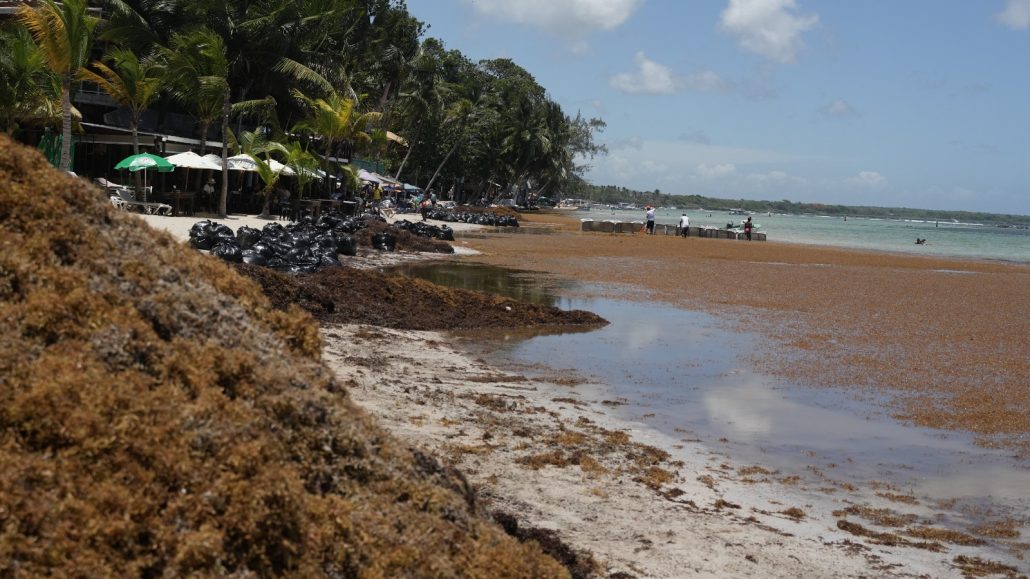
point(525, 286)
point(683, 372)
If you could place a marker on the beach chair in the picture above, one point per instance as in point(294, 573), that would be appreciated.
point(127, 200)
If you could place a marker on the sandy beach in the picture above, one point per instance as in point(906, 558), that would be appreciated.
point(630, 501)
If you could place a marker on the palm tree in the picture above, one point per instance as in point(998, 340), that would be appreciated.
point(64, 34)
point(132, 83)
point(25, 81)
point(335, 119)
point(460, 112)
point(197, 75)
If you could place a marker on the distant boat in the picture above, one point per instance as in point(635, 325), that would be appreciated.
point(738, 212)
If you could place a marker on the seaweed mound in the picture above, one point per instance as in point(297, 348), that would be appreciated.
point(159, 417)
point(344, 295)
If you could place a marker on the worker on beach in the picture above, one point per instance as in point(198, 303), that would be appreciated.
point(684, 225)
point(650, 220)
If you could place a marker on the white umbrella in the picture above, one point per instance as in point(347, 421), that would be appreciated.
point(369, 176)
point(216, 159)
point(244, 162)
point(191, 160)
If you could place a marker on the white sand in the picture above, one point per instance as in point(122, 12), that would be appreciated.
point(439, 399)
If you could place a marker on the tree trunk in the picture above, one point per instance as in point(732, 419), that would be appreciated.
point(404, 162)
point(66, 121)
point(386, 95)
point(224, 197)
point(136, 182)
point(444, 162)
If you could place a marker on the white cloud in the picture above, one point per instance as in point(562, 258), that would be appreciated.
point(651, 77)
point(716, 171)
point(869, 179)
point(770, 28)
point(1016, 14)
point(560, 16)
point(774, 177)
point(840, 109)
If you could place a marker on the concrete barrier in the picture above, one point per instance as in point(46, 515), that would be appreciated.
point(604, 226)
point(586, 224)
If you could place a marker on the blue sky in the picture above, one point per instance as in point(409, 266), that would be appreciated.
point(917, 103)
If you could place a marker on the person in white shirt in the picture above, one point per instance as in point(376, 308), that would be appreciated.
point(684, 225)
point(650, 220)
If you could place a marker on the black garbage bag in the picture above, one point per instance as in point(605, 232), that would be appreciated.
point(248, 236)
point(228, 252)
point(254, 258)
point(348, 245)
point(445, 233)
point(201, 242)
point(384, 241)
point(328, 260)
point(264, 249)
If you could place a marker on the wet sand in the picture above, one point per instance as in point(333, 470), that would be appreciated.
point(948, 341)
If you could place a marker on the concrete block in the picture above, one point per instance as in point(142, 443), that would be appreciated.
point(586, 224)
point(604, 226)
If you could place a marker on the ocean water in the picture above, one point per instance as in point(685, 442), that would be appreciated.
point(943, 239)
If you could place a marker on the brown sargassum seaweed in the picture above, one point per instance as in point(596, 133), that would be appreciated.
point(158, 417)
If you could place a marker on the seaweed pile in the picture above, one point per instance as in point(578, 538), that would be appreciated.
point(309, 245)
point(159, 417)
point(345, 295)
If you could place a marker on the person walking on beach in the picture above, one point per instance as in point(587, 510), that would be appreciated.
point(747, 228)
point(650, 220)
point(684, 225)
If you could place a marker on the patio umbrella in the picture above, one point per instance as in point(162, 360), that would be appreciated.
point(216, 159)
point(191, 160)
point(142, 162)
point(369, 176)
point(244, 162)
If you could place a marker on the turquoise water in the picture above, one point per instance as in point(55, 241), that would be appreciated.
point(945, 239)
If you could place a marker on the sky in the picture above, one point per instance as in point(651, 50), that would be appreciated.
point(914, 103)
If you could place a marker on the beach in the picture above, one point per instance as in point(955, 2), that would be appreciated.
point(548, 447)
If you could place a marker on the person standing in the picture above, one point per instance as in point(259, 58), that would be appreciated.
point(650, 220)
point(747, 228)
point(684, 225)
point(209, 194)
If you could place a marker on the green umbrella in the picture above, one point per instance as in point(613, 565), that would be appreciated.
point(145, 161)
point(142, 162)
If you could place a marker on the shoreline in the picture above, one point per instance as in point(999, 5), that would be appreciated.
point(552, 450)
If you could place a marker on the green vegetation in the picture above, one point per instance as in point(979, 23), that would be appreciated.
point(350, 79)
point(612, 194)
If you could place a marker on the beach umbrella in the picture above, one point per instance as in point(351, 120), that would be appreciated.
point(244, 162)
point(216, 159)
point(142, 162)
point(191, 160)
point(369, 176)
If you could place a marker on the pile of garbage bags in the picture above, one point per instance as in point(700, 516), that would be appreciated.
point(301, 247)
point(490, 219)
point(423, 229)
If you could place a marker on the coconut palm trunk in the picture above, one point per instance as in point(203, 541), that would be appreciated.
point(66, 121)
point(224, 197)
